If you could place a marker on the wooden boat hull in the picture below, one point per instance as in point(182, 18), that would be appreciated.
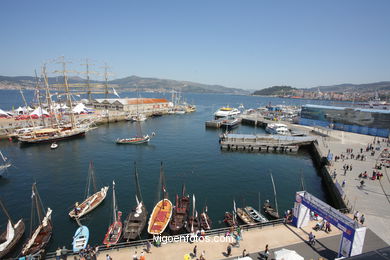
point(19, 231)
point(270, 211)
point(133, 140)
point(192, 223)
point(229, 219)
point(160, 217)
point(113, 234)
point(205, 221)
point(255, 215)
point(46, 139)
point(179, 215)
point(134, 224)
point(245, 217)
point(40, 237)
point(80, 239)
point(90, 203)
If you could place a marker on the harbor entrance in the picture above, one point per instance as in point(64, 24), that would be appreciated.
point(352, 239)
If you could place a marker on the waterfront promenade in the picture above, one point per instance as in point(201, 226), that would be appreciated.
point(373, 199)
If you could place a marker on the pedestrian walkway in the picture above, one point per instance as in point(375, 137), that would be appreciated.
point(373, 198)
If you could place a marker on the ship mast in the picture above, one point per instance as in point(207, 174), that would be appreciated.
point(62, 61)
point(39, 98)
point(89, 92)
point(48, 97)
point(106, 80)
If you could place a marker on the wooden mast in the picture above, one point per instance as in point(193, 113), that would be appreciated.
point(276, 201)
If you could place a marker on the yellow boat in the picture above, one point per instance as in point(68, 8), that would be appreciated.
point(160, 217)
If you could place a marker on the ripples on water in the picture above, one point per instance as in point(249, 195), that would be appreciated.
point(190, 153)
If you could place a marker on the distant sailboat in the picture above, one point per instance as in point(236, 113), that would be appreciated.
point(91, 201)
point(114, 231)
point(4, 164)
point(11, 236)
point(42, 233)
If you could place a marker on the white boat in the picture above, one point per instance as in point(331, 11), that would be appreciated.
point(277, 129)
point(226, 112)
point(53, 146)
point(136, 118)
point(4, 165)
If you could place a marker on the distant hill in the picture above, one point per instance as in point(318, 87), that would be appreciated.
point(275, 90)
point(126, 84)
point(361, 88)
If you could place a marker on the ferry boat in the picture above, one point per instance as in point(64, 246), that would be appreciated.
point(226, 112)
point(277, 129)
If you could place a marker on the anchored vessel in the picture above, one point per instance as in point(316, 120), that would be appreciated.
point(162, 212)
point(273, 212)
point(245, 217)
point(205, 220)
point(180, 212)
point(80, 239)
point(192, 224)
point(114, 231)
point(91, 201)
point(42, 233)
point(11, 236)
point(136, 220)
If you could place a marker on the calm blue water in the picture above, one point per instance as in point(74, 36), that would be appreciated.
point(190, 153)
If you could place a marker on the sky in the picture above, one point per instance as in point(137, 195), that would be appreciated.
point(248, 44)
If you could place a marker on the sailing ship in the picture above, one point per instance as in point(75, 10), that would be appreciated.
point(114, 231)
point(162, 212)
point(55, 131)
point(245, 217)
point(4, 165)
point(91, 201)
point(39, 237)
point(273, 212)
point(80, 239)
point(12, 235)
point(136, 220)
point(192, 224)
point(205, 220)
point(180, 212)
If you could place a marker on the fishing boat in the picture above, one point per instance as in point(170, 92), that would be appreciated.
point(135, 140)
point(273, 212)
point(162, 212)
point(229, 219)
point(40, 236)
point(192, 224)
point(114, 231)
point(205, 220)
point(80, 239)
point(136, 220)
point(245, 217)
point(54, 146)
point(91, 201)
point(180, 212)
point(4, 165)
point(12, 235)
point(255, 215)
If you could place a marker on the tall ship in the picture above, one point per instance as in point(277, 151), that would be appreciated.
point(136, 220)
point(53, 130)
point(41, 234)
point(180, 212)
point(226, 112)
point(162, 211)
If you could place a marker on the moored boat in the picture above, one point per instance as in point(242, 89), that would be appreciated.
point(80, 239)
point(5, 164)
point(114, 231)
point(12, 235)
point(42, 233)
point(91, 201)
point(226, 112)
point(277, 129)
point(205, 220)
point(192, 224)
point(270, 210)
point(255, 215)
point(136, 220)
point(180, 212)
point(229, 219)
point(245, 217)
point(162, 212)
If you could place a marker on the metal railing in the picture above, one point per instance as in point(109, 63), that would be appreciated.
point(143, 242)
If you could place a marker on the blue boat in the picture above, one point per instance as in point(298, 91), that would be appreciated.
point(80, 239)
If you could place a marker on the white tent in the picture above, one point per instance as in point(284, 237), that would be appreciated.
point(79, 108)
point(3, 113)
point(285, 254)
point(39, 112)
point(23, 110)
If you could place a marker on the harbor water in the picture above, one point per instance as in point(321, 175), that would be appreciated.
point(191, 156)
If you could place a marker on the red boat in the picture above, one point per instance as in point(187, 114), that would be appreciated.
point(114, 231)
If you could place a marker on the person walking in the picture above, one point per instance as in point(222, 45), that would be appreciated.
point(362, 219)
point(195, 250)
point(148, 247)
point(266, 252)
point(58, 253)
point(327, 227)
point(343, 184)
point(229, 250)
point(135, 256)
point(356, 216)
